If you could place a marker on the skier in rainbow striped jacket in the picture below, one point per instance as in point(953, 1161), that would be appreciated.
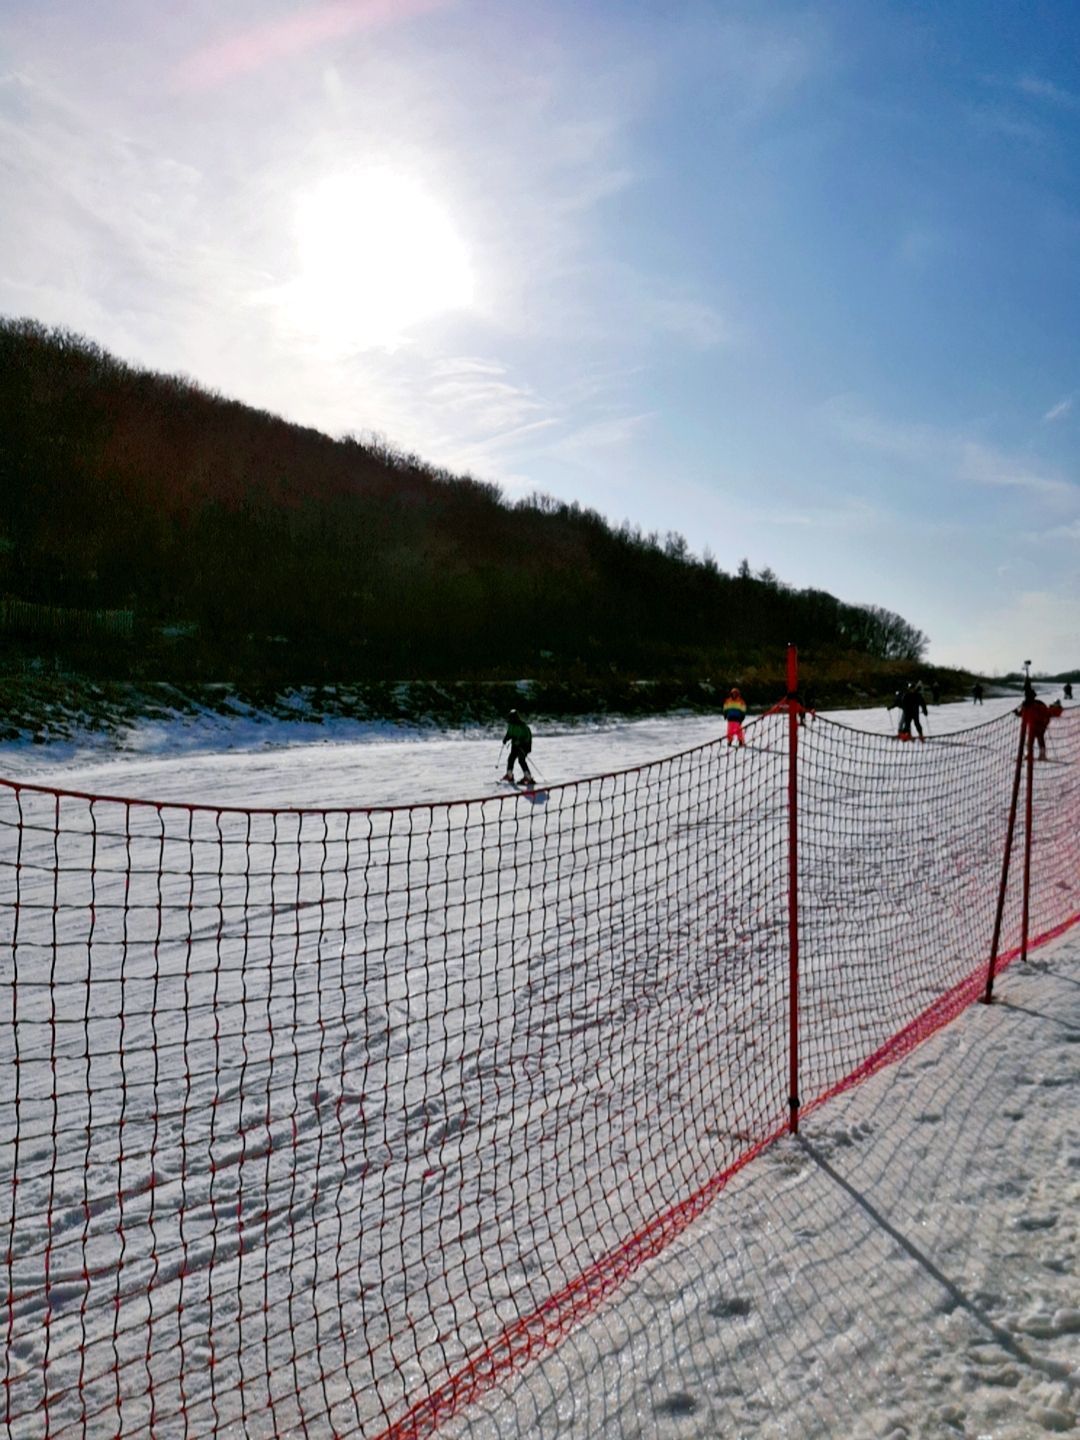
point(735, 714)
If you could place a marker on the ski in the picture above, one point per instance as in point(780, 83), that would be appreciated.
point(529, 788)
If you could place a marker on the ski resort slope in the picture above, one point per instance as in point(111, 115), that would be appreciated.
point(904, 1268)
point(208, 760)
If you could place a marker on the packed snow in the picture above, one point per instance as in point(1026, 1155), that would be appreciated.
point(904, 1268)
point(213, 760)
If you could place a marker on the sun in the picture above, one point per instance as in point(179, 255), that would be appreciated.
point(377, 254)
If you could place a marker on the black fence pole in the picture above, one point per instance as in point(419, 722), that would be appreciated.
point(1003, 887)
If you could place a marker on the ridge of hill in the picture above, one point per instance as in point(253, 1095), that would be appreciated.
point(152, 529)
point(43, 707)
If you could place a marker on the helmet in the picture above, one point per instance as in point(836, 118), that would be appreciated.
point(513, 714)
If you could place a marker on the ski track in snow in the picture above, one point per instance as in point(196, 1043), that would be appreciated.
point(905, 1269)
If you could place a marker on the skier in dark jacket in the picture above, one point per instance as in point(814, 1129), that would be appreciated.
point(519, 737)
point(911, 703)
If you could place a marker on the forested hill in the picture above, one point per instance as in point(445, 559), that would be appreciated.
point(232, 540)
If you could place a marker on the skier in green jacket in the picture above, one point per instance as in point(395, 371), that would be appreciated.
point(520, 738)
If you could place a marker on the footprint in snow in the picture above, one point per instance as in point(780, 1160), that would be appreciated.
point(733, 1307)
point(677, 1404)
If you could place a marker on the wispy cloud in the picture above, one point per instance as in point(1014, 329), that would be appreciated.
point(1040, 89)
point(1059, 532)
point(695, 321)
point(758, 65)
point(1061, 409)
point(840, 515)
point(1007, 122)
point(1021, 109)
point(909, 440)
point(984, 465)
point(104, 232)
point(478, 399)
point(287, 36)
point(467, 413)
point(597, 437)
point(948, 453)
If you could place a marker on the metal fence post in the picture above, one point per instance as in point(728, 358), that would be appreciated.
point(793, 709)
point(1004, 885)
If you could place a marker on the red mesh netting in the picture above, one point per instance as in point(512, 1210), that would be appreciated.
point(316, 1121)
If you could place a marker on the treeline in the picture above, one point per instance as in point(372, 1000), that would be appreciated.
point(243, 542)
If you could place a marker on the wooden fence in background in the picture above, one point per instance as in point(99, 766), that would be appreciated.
point(23, 617)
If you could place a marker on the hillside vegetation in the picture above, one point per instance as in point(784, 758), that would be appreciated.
point(238, 546)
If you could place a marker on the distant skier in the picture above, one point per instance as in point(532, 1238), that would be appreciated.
point(1068, 689)
point(802, 707)
point(735, 714)
point(1037, 716)
point(519, 737)
point(911, 703)
point(977, 694)
point(935, 692)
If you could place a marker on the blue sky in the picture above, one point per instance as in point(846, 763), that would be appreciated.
point(797, 281)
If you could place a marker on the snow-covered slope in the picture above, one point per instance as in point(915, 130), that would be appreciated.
point(905, 1269)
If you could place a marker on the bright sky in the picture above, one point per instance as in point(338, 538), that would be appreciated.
point(798, 280)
